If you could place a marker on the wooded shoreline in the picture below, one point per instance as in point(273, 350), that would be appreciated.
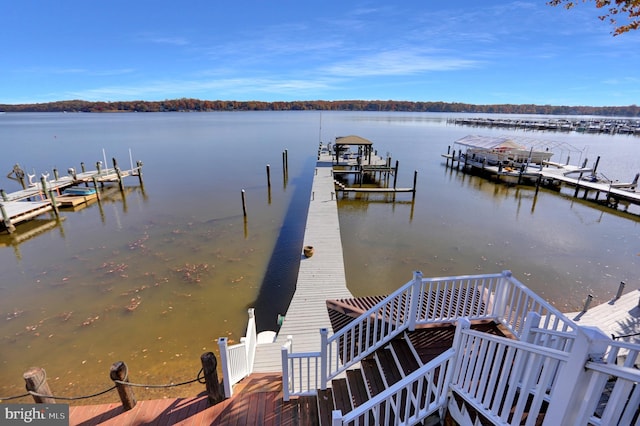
point(188, 104)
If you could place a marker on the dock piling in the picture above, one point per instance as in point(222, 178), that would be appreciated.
point(620, 290)
point(139, 167)
point(210, 372)
point(36, 382)
point(244, 203)
point(7, 220)
point(268, 175)
point(587, 302)
point(120, 373)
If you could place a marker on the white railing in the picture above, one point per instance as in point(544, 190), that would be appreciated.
point(616, 378)
point(504, 379)
point(409, 401)
point(237, 360)
point(422, 301)
point(300, 371)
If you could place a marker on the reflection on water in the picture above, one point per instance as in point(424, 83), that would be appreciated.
point(153, 277)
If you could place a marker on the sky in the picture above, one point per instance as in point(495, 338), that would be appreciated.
point(469, 51)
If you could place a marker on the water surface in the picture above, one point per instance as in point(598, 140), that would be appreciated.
point(180, 250)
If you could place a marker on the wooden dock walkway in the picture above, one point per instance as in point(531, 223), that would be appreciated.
point(616, 318)
point(320, 277)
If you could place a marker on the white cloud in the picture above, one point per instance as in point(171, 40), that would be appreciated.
point(400, 62)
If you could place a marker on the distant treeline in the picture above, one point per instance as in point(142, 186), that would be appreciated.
point(185, 104)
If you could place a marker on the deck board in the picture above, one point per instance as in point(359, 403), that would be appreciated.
point(618, 317)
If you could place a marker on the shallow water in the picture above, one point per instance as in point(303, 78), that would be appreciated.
point(179, 251)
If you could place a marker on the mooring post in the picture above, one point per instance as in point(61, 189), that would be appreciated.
point(95, 185)
point(36, 383)
point(139, 167)
point(395, 175)
point(286, 163)
point(43, 182)
point(415, 181)
point(55, 174)
point(587, 302)
point(119, 373)
point(620, 290)
point(3, 193)
point(269, 176)
point(244, 204)
point(82, 167)
point(54, 204)
point(538, 182)
point(595, 166)
point(210, 372)
point(99, 166)
point(7, 220)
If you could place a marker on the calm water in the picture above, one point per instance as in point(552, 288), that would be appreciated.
point(181, 248)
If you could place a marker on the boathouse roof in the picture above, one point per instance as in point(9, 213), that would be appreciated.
point(352, 140)
point(514, 142)
point(488, 142)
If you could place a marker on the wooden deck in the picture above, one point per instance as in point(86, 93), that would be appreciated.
point(321, 277)
point(257, 401)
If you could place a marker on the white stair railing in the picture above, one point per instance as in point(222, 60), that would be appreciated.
point(237, 360)
point(423, 301)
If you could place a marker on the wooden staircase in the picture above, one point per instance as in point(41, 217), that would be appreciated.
point(377, 372)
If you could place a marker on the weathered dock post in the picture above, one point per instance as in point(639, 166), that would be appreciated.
point(120, 375)
point(3, 194)
point(99, 166)
point(54, 204)
point(118, 173)
point(36, 383)
point(139, 169)
point(55, 174)
point(210, 372)
point(415, 181)
point(244, 203)
point(595, 166)
point(7, 220)
point(395, 175)
point(587, 302)
point(43, 182)
point(620, 290)
point(268, 175)
point(95, 185)
point(72, 173)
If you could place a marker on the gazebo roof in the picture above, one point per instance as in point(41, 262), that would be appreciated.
point(352, 140)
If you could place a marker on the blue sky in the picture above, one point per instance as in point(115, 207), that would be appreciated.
point(483, 52)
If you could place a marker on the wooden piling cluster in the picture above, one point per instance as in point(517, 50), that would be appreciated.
point(285, 176)
point(36, 383)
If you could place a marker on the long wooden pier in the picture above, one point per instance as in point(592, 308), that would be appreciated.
point(320, 277)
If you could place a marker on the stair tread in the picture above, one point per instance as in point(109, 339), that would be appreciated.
point(358, 387)
point(372, 376)
point(389, 367)
point(341, 397)
point(408, 361)
point(325, 406)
